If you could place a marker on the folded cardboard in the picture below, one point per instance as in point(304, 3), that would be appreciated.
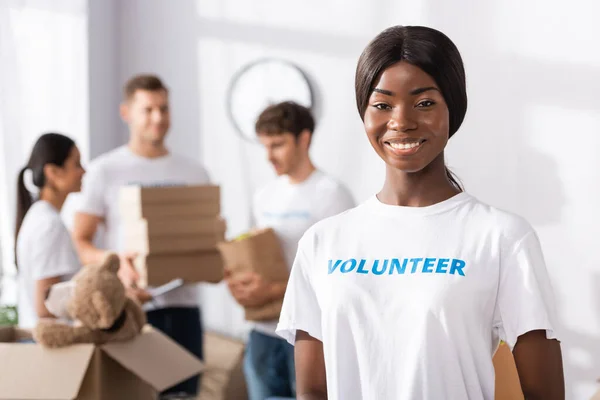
point(156, 270)
point(169, 194)
point(137, 369)
point(508, 386)
point(223, 376)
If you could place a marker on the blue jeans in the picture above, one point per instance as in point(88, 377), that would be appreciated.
point(184, 326)
point(269, 367)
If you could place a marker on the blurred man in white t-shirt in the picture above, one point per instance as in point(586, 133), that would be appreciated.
point(144, 161)
point(301, 196)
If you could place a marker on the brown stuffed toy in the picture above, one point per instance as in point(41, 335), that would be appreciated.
point(102, 311)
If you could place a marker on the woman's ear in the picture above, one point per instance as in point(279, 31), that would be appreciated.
point(51, 172)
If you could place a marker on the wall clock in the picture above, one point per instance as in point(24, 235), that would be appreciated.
point(260, 84)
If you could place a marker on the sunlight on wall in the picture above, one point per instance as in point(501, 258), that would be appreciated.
point(48, 92)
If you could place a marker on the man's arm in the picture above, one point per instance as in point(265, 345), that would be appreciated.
point(84, 229)
point(311, 382)
point(540, 368)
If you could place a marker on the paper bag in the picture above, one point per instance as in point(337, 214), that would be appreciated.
point(268, 312)
point(259, 252)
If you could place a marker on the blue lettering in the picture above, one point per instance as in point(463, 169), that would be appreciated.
point(428, 265)
point(457, 266)
point(442, 266)
point(377, 271)
point(395, 264)
point(415, 262)
point(352, 263)
point(361, 267)
point(332, 266)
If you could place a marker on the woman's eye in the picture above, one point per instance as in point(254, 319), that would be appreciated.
point(425, 103)
point(381, 106)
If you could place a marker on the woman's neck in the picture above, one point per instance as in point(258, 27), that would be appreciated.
point(55, 198)
point(419, 189)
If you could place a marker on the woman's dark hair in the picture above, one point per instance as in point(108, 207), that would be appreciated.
point(426, 48)
point(50, 148)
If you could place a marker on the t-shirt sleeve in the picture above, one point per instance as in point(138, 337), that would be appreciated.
point(91, 199)
point(525, 297)
point(301, 310)
point(54, 254)
point(339, 201)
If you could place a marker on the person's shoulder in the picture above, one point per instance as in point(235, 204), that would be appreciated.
point(109, 158)
point(329, 186)
point(328, 182)
point(267, 189)
point(508, 224)
point(111, 161)
point(41, 220)
point(334, 225)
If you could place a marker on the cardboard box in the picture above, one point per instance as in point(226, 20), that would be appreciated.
point(164, 211)
point(508, 386)
point(156, 270)
point(173, 244)
point(259, 252)
point(137, 369)
point(174, 227)
point(137, 202)
point(9, 334)
point(169, 194)
point(223, 376)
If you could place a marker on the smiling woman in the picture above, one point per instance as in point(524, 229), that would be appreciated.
point(430, 91)
point(423, 280)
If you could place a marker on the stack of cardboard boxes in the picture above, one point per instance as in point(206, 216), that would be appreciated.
point(174, 231)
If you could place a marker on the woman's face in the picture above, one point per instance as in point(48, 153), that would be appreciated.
point(407, 119)
point(68, 178)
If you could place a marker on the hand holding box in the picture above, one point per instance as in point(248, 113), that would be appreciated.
point(259, 252)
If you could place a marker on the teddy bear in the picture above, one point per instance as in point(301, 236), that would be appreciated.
point(100, 308)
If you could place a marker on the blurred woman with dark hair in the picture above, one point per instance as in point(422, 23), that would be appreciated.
point(44, 252)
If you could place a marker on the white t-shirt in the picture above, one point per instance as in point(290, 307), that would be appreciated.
point(121, 167)
point(290, 209)
point(410, 302)
point(44, 250)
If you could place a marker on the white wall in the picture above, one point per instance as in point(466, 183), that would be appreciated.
point(43, 87)
point(527, 144)
point(106, 130)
